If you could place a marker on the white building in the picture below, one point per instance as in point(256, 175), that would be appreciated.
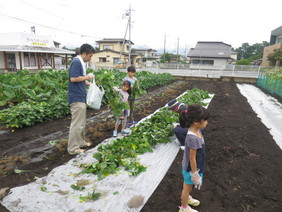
point(149, 57)
point(210, 55)
point(20, 51)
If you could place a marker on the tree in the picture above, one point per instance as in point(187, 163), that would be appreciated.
point(243, 62)
point(276, 57)
point(167, 57)
point(252, 52)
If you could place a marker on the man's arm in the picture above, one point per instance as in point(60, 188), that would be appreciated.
point(80, 78)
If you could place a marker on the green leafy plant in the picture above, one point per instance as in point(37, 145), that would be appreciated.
point(90, 197)
point(43, 188)
point(77, 187)
point(136, 90)
point(31, 98)
point(122, 152)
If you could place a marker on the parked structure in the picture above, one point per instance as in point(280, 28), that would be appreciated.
point(149, 57)
point(31, 51)
point(210, 55)
point(275, 43)
point(114, 53)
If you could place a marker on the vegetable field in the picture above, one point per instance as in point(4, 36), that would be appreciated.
point(237, 154)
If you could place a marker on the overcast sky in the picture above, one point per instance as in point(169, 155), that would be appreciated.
point(183, 22)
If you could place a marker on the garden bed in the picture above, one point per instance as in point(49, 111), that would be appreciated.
point(244, 169)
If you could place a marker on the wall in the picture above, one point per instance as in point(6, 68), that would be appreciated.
point(116, 46)
point(218, 64)
point(109, 55)
point(27, 39)
point(221, 79)
point(2, 64)
point(268, 50)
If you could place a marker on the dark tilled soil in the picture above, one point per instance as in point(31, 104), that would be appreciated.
point(244, 164)
point(244, 170)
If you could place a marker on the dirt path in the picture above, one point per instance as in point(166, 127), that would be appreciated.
point(244, 168)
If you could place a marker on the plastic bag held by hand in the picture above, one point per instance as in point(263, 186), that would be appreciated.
point(94, 95)
point(91, 76)
point(198, 186)
point(196, 179)
point(175, 124)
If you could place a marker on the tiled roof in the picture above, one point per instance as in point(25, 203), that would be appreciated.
point(145, 50)
point(19, 48)
point(117, 52)
point(114, 40)
point(211, 50)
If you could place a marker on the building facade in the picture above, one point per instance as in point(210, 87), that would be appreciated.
point(210, 55)
point(114, 53)
point(275, 43)
point(20, 51)
point(149, 57)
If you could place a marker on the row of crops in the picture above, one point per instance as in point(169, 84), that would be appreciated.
point(27, 98)
point(271, 81)
point(122, 152)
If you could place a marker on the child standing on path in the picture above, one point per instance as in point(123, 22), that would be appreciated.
point(193, 163)
point(130, 77)
point(125, 92)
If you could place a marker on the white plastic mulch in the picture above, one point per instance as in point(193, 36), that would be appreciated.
point(116, 190)
point(268, 109)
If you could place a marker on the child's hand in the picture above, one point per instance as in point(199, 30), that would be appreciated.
point(115, 88)
point(196, 179)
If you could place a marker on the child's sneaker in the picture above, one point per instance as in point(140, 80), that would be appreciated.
point(115, 133)
point(193, 202)
point(125, 131)
point(187, 209)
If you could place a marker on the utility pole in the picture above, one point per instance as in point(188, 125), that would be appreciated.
point(177, 49)
point(164, 42)
point(129, 26)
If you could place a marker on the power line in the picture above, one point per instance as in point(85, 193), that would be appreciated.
point(22, 20)
point(31, 5)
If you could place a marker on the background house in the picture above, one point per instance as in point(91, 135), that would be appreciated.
point(31, 51)
point(210, 55)
point(275, 43)
point(149, 57)
point(114, 53)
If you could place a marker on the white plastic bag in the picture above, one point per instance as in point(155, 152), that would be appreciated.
point(94, 95)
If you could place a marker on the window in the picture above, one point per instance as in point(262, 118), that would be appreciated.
point(32, 59)
point(102, 60)
point(108, 47)
point(279, 40)
point(46, 59)
point(208, 62)
point(203, 62)
point(116, 60)
point(29, 59)
point(195, 62)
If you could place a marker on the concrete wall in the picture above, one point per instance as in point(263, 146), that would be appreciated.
point(218, 64)
point(221, 79)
